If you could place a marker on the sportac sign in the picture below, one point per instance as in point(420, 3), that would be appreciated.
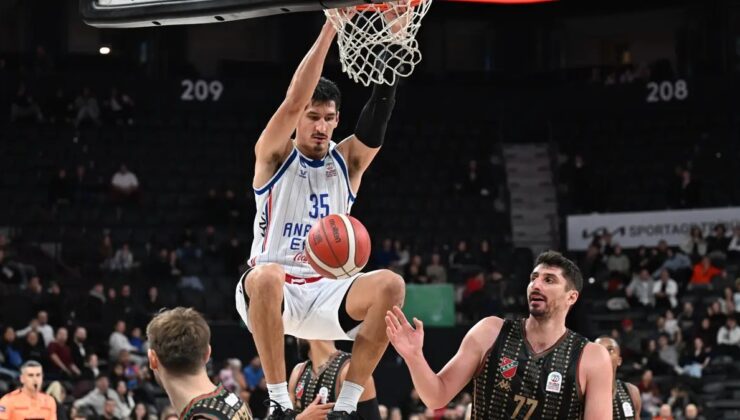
point(632, 230)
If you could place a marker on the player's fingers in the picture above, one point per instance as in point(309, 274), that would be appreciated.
point(391, 335)
point(390, 326)
point(394, 320)
point(401, 317)
point(418, 324)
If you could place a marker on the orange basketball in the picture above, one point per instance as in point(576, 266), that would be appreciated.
point(338, 246)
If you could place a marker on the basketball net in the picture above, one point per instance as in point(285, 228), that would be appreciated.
point(377, 42)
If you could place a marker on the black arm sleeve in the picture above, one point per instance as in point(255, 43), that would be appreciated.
point(374, 117)
point(368, 410)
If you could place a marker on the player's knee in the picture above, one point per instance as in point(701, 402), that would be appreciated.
point(391, 287)
point(265, 280)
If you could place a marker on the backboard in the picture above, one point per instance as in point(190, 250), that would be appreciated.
point(147, 13)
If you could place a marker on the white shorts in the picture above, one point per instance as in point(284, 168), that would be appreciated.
point(311, 310)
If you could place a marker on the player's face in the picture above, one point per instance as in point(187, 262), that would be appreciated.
point(614, 354)
point(316, 126)
point(31, 378)
point(547, 292)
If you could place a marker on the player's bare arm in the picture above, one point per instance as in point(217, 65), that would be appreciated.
point(437, 389)
point(596, 382)
point(274, 143)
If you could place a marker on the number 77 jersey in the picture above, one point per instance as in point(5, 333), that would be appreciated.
point(302, 191)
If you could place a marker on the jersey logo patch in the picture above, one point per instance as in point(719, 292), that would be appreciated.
point(302, 173)
point(554, 382)
point(627, 408)
point(507, 367)
point(231, 400)
point(299, 391)
point(330, 170)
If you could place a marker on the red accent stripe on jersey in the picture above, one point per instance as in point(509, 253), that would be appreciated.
point(290, 279)
point(269, 220)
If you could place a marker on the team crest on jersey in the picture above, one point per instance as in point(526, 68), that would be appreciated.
point(302, 173)
point(507, 367)
point(330, 170)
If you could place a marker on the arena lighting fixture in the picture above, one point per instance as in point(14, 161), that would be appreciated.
point(104, 50)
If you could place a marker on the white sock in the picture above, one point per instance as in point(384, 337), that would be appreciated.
point(348, 397)
point(279, 394)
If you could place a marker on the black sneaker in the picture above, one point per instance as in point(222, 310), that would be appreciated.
point(278, 412)
point(342, 415)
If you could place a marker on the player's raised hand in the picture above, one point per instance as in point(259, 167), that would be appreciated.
point(315, 410)
point(407, 340)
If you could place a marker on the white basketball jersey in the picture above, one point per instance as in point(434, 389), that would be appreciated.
point(301, 192)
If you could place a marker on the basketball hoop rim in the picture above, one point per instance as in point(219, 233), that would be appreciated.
point(383, 7)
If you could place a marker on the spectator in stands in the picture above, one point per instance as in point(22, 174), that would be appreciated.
point(60, 188)
point(733, 249)
point(11, 350)
point(695, 359)
point(386, 255)
point(592, 264)
point(631, 341)
point(727, 303)
point(484, 257)
point(94, 304)
point(119, 108)
point(137, 340)
point(461, 258)
point(652, 360)
point(86, 108)
point(649, 392)
point(437, 273)
point(33, 348)
point(728, 338)
point(92, 367)
point(404, 257)
point(124, 400)
point(79, 349)
point(118, 341)
point(696, 246)
point(56, 303)
point(664, 413)
point(56, 390)
point(703, 273)
point(60, 355)
point(665, 291)
point(96, 399)
point(125, 185)
point(674, 262)
point(687, 319)
point(123, 260)
point(718, 243)
point(671, 327)
point(141, 412)
point(691, 412)
point(153, 303)
point(174, 266)
point(35, 292)
point(618, 264)
point(40, 324)
point(668, 352)
point(24, 107)
point(605, 244)
point(658, 255)
point(414, 273)
point(84, 186)
point(253, 373)
point(687, 192)
point(640, 289)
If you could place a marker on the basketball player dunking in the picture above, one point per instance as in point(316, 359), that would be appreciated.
point(297, 181)
point(525, 369)
point(626, 403)
point(314, 383)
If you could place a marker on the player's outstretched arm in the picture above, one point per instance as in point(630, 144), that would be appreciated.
point(437, 389)
point(361, 148)
point(275, 139)
point(599, 382)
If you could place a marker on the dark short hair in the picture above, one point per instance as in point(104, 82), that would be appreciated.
point(327, 91)
point(180, 338)
point(571, 272)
